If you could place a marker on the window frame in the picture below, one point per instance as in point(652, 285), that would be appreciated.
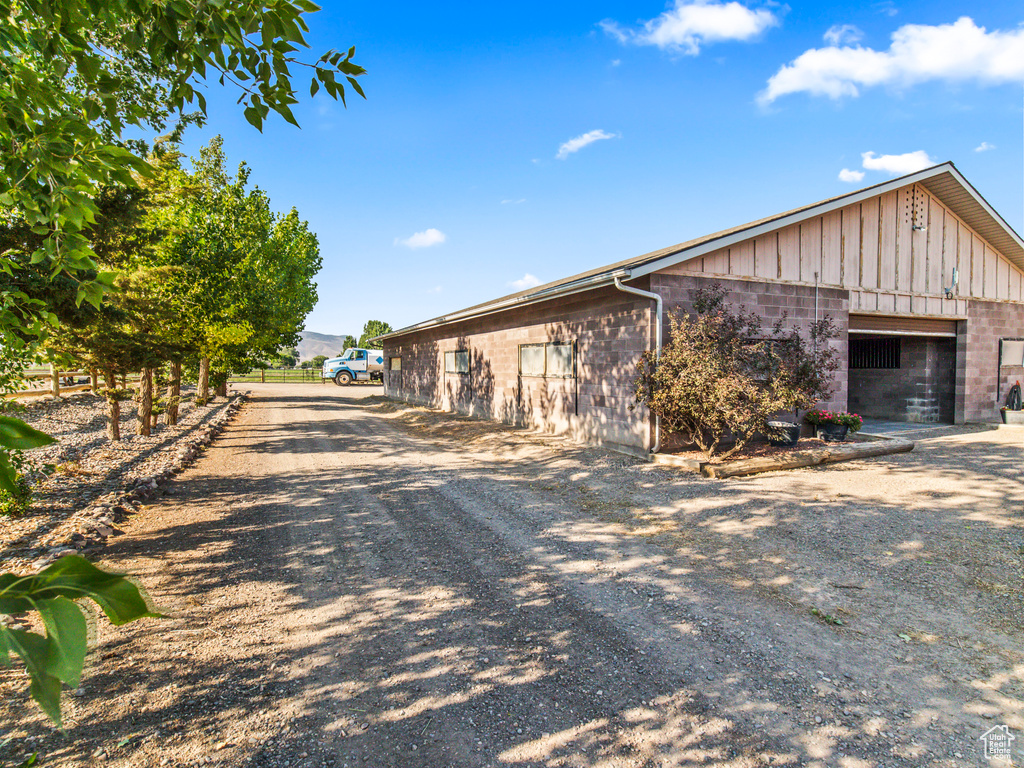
point(457, 356)
point(546, 346)
point(392, 368)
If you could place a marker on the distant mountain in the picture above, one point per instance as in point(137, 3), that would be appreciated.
point(313, 344)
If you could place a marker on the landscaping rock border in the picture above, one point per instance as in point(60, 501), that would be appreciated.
point(87, 530)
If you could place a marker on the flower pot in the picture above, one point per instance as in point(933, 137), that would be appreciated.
point(783, 434)
point(1013, 417)
point(831, 433)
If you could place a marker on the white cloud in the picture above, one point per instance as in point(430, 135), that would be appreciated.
point(520, 201)
point(616, 62)
point(527, 281)
point(435, 289)
point(688, 25)
point(575, 145)
point(888, 8)
point(984, 147)
point(897, 165)
point(845, 33)
point(961, 51)
point(851, 177)
point(423, 239)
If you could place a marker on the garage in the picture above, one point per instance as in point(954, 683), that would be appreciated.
point(902, 368)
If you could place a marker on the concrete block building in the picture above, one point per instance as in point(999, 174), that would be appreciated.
point(924, 279)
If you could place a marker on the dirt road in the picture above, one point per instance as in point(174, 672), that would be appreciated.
point(354, 583)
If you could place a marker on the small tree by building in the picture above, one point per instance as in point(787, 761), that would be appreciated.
point(722, 376)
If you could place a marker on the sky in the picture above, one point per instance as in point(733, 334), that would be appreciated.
point(504, 145)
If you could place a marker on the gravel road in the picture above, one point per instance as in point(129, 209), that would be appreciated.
point(352, 582)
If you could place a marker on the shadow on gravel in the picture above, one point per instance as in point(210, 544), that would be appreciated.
point(429, 612)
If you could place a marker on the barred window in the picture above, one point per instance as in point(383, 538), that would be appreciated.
point(875, 353)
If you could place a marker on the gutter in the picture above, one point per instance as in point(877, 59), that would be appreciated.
point(566, 289)
point(657, 343)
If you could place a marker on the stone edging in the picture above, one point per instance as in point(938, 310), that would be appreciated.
point(99, 518)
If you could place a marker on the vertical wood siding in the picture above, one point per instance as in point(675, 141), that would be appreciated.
point(873, 249)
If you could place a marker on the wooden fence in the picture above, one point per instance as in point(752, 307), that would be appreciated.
point(281, 376)
point(40, 382)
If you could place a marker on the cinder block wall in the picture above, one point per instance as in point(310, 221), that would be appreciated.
point(984, 385)
point(612, 329)
point(921, 390)
point(771, 301)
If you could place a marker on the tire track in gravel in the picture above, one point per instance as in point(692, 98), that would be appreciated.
point(421, 524)
point(357, 594)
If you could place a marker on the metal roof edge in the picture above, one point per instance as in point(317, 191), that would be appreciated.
point(765, 226)
point(666, 257)
point(980, 199)
point(500, 305)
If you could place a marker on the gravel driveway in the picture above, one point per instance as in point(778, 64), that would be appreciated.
point(354, 582)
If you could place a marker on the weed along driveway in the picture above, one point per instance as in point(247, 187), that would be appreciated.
point(356, 582)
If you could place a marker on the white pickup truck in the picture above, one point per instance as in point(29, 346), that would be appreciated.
point(356, 364)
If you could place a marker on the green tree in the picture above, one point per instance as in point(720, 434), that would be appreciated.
point(370, 330)
point(245, 283)
point(78, 75)
point(318, 361)
point(348, 343)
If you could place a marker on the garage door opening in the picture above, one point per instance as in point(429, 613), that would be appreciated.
point(903, 369)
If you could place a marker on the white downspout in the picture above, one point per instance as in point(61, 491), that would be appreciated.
point(657, 344)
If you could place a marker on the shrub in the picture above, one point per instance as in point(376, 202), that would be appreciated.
point(722, 375)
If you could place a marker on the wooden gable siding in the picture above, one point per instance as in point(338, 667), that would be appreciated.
point(901, 245)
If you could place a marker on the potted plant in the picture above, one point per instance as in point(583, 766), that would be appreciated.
point(832, 426)
point(1011, 416)
point(782, 434)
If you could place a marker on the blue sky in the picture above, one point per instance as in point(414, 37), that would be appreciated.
point(506, 142)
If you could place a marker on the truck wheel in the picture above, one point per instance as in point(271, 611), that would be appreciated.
point(343, 379)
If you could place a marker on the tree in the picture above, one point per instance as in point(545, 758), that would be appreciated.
point(348, 343)
point(722, 376)
point(318, 361)
point(372, 329)
point(246, 274)
point(79, 74)
point(287, 358)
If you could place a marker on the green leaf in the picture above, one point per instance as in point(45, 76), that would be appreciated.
point(74, 576)
point(8, 476)
point(18, 435)
point(68, 635)
point(34, 650)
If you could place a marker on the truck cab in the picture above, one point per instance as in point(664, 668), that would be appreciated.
point(356, 364)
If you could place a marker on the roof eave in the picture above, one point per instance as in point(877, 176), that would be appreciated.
point(567, 289)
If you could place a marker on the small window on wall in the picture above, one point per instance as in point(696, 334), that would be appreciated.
point(554, 360)
point(558, 359)
point(1011, 352)
point(457, 361)
point(395, 364)
point(879, 354)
